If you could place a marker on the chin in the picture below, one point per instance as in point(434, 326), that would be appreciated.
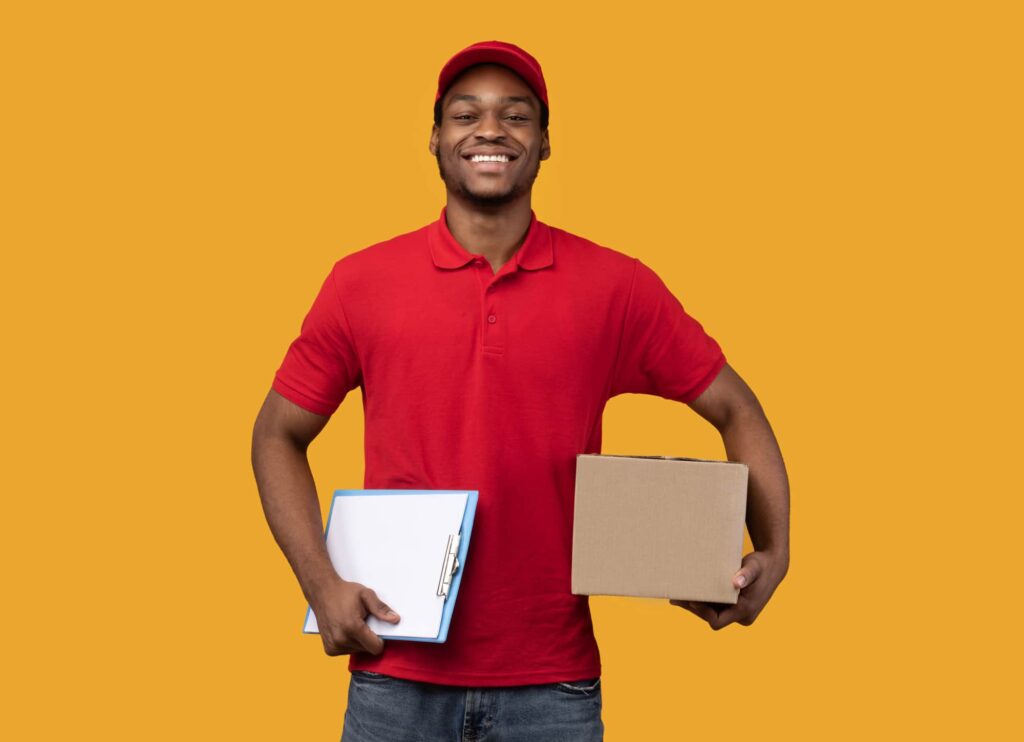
point(493, 199)
point(486, 195)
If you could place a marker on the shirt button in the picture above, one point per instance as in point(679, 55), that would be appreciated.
point(492, 319)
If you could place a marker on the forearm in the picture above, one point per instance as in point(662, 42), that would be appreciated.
point(288, 493)
point(748, 438)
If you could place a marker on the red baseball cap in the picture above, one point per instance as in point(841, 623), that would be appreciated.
point(494, 52)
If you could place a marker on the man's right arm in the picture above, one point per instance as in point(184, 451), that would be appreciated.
point(281, 437)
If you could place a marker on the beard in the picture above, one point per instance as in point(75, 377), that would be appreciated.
point(460, 189)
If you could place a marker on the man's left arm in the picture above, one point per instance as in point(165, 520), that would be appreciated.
point(730, 405)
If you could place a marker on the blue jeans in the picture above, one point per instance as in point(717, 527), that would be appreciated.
point(382, 708)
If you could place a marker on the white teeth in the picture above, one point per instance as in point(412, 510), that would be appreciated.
point(490, 158)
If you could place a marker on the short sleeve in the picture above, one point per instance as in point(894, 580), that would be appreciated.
point(321, 365)
point(663, 351)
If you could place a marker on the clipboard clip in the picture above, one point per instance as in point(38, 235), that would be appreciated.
point(450, 564)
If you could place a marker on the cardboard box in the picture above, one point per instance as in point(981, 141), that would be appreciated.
point(658, 527)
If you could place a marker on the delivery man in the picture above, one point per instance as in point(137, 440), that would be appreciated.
point(486, 345)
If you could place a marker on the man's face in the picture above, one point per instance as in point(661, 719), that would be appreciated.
point(489, 145)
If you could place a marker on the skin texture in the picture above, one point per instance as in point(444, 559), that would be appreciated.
point(730, 405)
point(489, 109)
point(281, 437)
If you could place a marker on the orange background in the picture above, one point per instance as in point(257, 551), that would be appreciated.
point(832, 189)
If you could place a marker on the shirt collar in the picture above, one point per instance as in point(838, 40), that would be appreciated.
point(535, 253)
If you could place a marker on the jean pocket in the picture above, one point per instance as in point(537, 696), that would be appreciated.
point(580, 687)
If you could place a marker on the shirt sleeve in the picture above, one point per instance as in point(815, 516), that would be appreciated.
point(321, 365)
point(663, 351)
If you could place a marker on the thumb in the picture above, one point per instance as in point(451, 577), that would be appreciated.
point(748, 572)
point(380, 609)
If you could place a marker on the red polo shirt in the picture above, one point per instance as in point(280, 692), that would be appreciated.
point(494, 382)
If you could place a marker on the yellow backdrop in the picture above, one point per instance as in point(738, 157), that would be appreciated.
point(833, 189)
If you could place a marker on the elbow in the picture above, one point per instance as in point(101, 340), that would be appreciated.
point(741, 412)
point(745, 411)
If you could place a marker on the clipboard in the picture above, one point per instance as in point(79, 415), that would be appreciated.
point(410, 547)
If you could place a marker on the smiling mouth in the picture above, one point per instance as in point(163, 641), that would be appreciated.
point(490, 158)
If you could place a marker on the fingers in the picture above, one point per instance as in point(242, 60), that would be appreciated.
point(756, 579)
point(369, 640)
point(357, 637)
point(720, 615)
point(699, 609)
point(362, 633)
point(378, 607)
point(728, 616)
point(342, 619)
point(750, 570)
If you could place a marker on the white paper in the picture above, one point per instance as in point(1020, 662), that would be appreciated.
point(396, 545)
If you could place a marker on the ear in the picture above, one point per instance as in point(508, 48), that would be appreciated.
point(545, 146)
point(434, 134)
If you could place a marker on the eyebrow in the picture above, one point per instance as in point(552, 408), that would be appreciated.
point(505, 99)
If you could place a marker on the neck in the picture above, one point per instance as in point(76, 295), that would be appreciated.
point(493, 232)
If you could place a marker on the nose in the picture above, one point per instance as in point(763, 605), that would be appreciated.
point(490, 127)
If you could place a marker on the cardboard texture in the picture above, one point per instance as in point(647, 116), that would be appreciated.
point(658, 527)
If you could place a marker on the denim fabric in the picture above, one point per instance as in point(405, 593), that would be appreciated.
point(382, 708)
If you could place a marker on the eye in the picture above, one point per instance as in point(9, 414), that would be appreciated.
point(518, 117)
point(463, 117)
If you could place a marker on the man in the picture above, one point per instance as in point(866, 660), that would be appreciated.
point(486, 345)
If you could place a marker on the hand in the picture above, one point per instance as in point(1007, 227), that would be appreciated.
point(759, 574)
point(341, 611)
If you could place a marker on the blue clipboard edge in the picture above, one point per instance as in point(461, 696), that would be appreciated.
point(466, 531)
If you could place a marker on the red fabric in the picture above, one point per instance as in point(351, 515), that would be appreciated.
point(472, 380)
point(498, 52)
